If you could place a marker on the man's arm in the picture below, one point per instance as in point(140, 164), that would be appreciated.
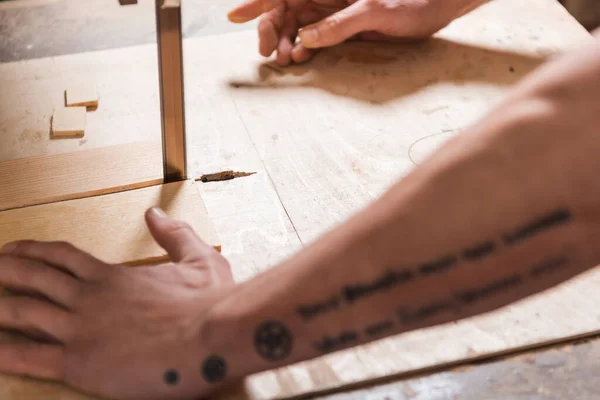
point(505, 210)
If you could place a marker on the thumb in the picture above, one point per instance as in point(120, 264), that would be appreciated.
point(337, 27)
point(178, 238)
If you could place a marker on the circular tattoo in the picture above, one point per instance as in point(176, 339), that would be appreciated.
point(214, 369)
point(273, 341)
point(171, 377)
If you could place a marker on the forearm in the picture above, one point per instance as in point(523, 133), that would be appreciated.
point(505, 210)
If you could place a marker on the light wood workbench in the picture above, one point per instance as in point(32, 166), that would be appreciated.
point(324, 139)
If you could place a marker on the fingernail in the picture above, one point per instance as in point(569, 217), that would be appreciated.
point(8, 248)
point(158, 212)
point(236, 18)
point(308, 36)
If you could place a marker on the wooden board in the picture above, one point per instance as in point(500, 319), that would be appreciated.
point(325, 139)
point(44, 179)
point(110, 227)
point(68, 122)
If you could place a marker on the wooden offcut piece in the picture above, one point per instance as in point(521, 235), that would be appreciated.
point(111, 227)
point(43, 179)
point(82, 95)
point(68, 122)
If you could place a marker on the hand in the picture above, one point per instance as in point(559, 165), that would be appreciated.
point(110, 330)
point(322, 23)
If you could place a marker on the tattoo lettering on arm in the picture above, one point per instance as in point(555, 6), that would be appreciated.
point(387, 281)
point(328, 344)
point(425, 312)
point(309, 311)
point(214, 369)
point(473, 295)
point(273, 341)
point(438, 266)
point(556, 218)
point(549, 265)
point(479, 251)
point(379, 328)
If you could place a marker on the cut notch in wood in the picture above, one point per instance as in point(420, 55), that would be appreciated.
point(68, 122)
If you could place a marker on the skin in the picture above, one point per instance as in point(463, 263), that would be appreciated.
point(322, 23)
point(117, 332)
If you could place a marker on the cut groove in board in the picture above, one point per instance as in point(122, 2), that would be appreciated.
point(45, 179)
point(111, 227)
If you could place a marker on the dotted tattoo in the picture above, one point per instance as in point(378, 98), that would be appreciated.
point(273, 341)
point(214, 369)
point(171, 377)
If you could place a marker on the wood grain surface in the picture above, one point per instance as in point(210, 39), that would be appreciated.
point(326, 138)
point(44, 179)
point(110, 227)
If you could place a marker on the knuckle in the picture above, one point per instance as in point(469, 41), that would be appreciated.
point(21, 247)
point(62, 249)
point(334, 21)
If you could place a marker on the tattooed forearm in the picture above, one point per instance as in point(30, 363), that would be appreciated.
point(454, 304)
point(328, 344)
point(475, 253)
point(410, 317)
point(379, 328)
point(479, 251)
point(470, 296)
point(214, 369)
point(171, 377)
point(437, 266)
point(273, 341)
point(309, 311)
point(548, 221)
point(549, 265)
point(387, 281)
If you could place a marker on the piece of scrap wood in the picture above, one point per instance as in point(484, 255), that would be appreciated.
point(57, 177)
point(84, 94)
point(111, 227)
point(223, 176)
point(68, 122)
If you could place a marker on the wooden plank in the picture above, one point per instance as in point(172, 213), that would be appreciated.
point(44, 179)
point(170, 56)
point(110, 227)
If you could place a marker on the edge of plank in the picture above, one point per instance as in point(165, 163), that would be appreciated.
point(111, 227)
point(67, 176)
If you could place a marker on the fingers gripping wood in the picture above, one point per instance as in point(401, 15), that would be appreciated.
point(59, 254)
point(35, 277)
point(30, 315)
